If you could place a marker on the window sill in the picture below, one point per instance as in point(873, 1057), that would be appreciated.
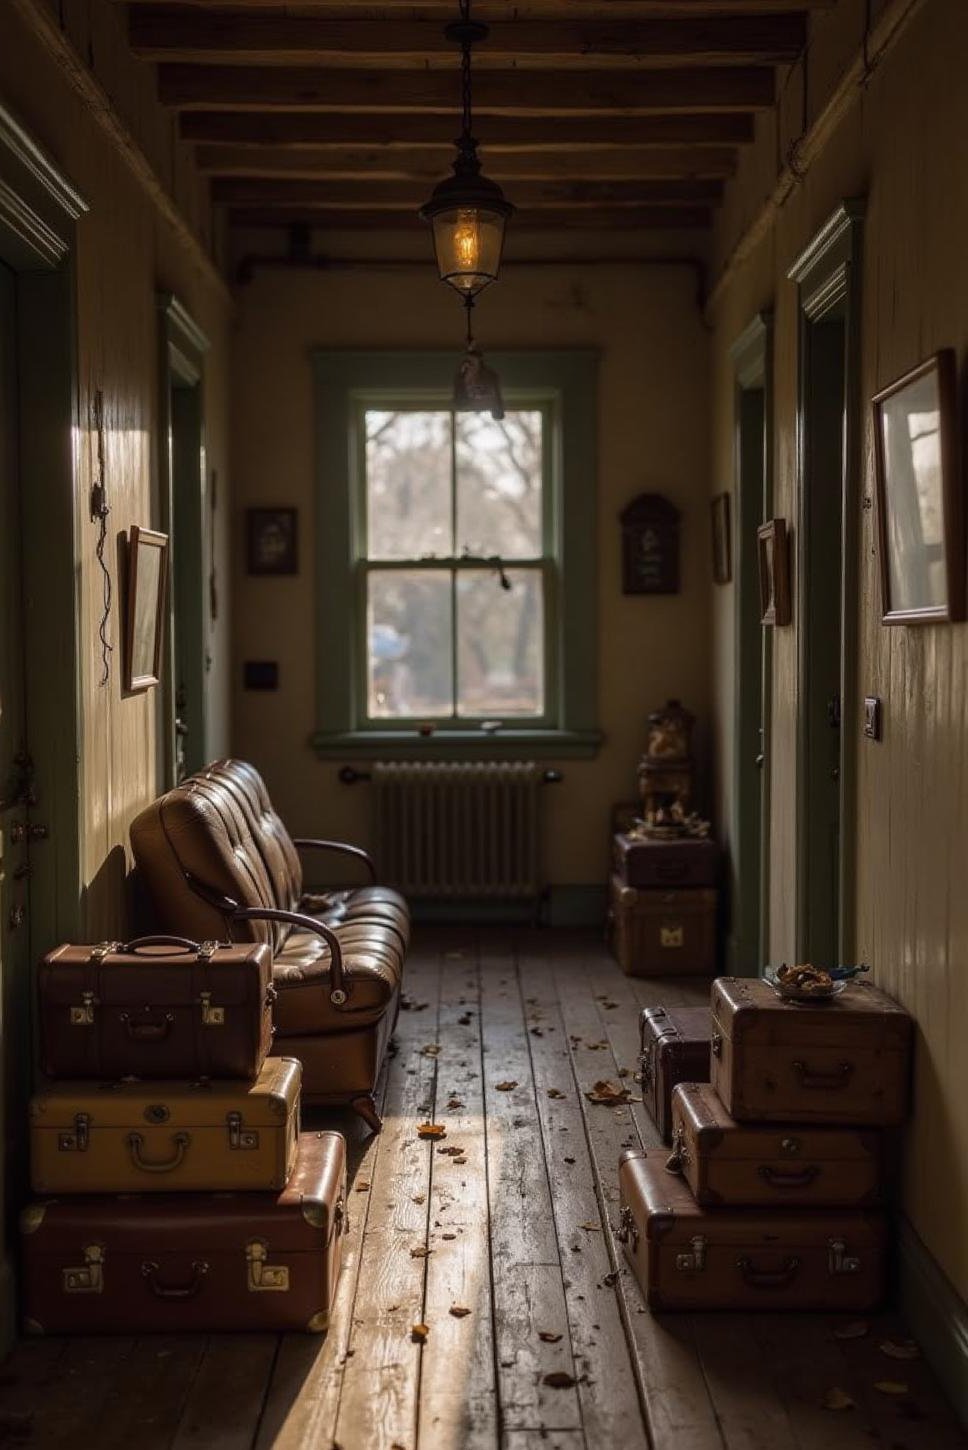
point(505, 744)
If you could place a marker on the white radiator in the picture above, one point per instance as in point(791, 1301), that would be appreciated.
point(458, 830)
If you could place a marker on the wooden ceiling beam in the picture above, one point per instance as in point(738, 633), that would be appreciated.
point(640, 218)
point(494, 11)
point(409, 195)
point(430, 164)
point(178, 33)
point(296, 129)
point(512, 93)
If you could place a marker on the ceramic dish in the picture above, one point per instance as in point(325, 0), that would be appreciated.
point(794, 994)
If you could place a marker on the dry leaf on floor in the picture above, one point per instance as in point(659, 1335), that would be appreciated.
point(431, 1130)
point(506, 1087)
point(855, 1330)
point(555, 1093)
point(900, 1349)
point(609, 1093)
point(595, 1228)
point(451, 1151)
point(431, 1050)
point(547, 1336)
point(458, 1311)
point(448, 1236)
point(454, 1104)
point(420, 1252)
point(569, 1160)
point(610, 1278)
point(558, 1379)
point(458, 1162)
point(407, 1004)
point(837, 1399)
point(419, 1198)
point(419, 1332)
point(464, 1020)
point(892, 1387)
point(362, 1186)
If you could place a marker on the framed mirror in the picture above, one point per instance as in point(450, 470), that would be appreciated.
point(147, 586)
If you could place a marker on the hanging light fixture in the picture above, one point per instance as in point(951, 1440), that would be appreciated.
point(467, 210)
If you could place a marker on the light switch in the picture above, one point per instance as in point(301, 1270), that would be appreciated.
point(872, 717)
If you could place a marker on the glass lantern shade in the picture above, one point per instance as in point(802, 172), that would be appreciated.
point(468, 241)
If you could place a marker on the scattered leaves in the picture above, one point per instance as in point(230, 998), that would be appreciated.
point(407, 1004)
point(419, 1332)
point(452, 1151)
point(569, 1160)
point(459, 1311)
point(362, 1186)
point(432, 1049)
point(465, 1020)
point(855, 1330)
point(547, 1336)
point(454, 1104)
point(892, 1387)
point(506, 1087)
point(837, 1399)
point(609, 1093)
point(555, 1093)
point(431, 1130)
point(419, 1198)
point(420, 1252)
point(558, 1379)
point(592, 1228)
point(900, 1349)
point(610, 1278)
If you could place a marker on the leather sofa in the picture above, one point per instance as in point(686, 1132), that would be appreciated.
point(218, 862)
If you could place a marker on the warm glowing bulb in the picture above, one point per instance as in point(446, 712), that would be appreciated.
point(467, 243)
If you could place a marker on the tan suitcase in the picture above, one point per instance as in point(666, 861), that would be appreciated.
point(842, 1061)
point(688, 1257)
point(657, 933)
point(166, 1137)
point(732, 1164)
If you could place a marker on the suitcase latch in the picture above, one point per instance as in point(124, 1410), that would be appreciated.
point(679, 1156)
point(211, 1016)
point(263, 1276)
point(695, 1261)
point(645, 1068)
point(83, 1016)
point(88, 1278)
point(240, 1137)
point(838, 1259)
point(77, 1141)
point(670, 936)
point(628, 1229)
point(207, 950)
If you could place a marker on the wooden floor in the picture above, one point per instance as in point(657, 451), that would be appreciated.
point(507, 1220)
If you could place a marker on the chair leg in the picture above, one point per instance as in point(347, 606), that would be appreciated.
point(365, 1107)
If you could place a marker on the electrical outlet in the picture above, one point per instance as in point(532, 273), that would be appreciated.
point(872, 717)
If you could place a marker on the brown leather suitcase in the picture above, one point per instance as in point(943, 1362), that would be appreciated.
point(659, 933)
point(164, 1137)
point(675, 1048)
point(732, 1164)
point(688, 1257)
point(156, 1007)
point(646, 861)
point(846, 1060)
point(207, 1263)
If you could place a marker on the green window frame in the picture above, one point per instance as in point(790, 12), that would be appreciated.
point(563, 385)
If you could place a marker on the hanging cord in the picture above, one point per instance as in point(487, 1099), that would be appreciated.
point(465, 68)
point(99, 514)
point(468, 309)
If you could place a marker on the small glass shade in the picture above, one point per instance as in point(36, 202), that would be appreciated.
point(468, 241)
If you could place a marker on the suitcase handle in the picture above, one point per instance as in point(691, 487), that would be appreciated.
point(175, 1291)
point(148, 1031)
point(799, 1178)
point(131, 948)
point(166, 1165)
point(768, 1278)
point(825, 1081)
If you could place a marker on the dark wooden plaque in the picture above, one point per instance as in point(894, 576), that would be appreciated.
point(650, 546)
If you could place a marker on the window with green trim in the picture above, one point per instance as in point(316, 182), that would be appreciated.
point(456, 558)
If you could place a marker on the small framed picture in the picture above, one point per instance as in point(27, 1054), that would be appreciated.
point(147, 592)
point(774, 561)
point(272, 541)
point(920, 516)
point(722, 539)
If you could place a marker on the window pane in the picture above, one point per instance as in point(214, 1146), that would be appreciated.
point(409, 649)
point(500, 643)
point(408, 484)
point(499, 484)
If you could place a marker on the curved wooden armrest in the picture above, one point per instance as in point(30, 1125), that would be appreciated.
point(338, 994)
point(306, 843)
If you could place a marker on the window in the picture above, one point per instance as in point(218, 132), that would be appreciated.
point(455, 558)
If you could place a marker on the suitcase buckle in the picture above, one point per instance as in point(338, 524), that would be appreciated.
point(670, 936)
point(263, 1276)
point(207, 950)
point(628, 1229)
point(838, 1259)
point(83, 1016)
point(240, 1137)
point(77, 1141)
point(695, 1261)
point(88, 1278)
point(211, 1016)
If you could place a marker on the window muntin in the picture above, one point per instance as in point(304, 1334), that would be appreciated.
point(457, 566)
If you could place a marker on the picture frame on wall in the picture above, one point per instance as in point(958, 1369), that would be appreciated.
point(722, 540)
point(272, 540)
point(773, 553)
point(147, 585)
point(920, 502)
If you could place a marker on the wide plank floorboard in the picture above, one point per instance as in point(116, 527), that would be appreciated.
point(503, 1036)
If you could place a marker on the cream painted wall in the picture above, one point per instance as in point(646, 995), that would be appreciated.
point(125, 254)
point(901, 145)
point(652, 435)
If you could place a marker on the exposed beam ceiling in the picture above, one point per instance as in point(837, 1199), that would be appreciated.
point(408, 196)
point(633, 218)
point(496, 10)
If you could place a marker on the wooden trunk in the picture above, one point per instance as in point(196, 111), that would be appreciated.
point(732, 1164)
point(846, 1060)
point(688, 1257)
point(643, 861)
point(662, 933)
point(165, 1137)
point(194, 1264)
point(675, 1048)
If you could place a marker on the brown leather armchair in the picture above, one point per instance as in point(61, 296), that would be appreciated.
point(218, 862)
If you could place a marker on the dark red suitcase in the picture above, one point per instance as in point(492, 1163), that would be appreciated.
point(675, 1048)
point(158, 1007)
point(190, 1263)
point(641, 861)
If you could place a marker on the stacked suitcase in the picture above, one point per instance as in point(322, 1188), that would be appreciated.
point(663, 905)
point(773, 1195)
point(175, 1191)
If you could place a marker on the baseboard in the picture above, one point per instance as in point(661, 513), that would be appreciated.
point(558, 906)
point(937, 1315)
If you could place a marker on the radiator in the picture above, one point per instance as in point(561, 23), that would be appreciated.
point(456, 830)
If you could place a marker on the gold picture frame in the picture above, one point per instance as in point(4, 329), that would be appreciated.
point(147, 593)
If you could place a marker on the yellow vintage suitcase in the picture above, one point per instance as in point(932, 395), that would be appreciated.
point(167, 1137)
